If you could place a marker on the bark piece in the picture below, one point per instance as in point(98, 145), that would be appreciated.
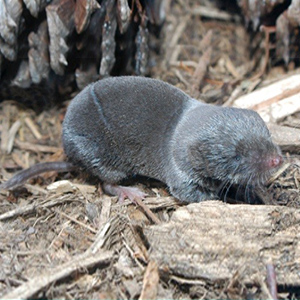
point(287, 31)
point(123, 15)
point(108, 45)
point(254, 10)
point(60, 17)
point(10, 15)
point(35, 6)
point(38, 54)
point(83, 11)
point(156, 11)
point(89, 46)
point(294, 12)
point(142, 50)
point(23, 78)
point(283, 38)
point(212, 241)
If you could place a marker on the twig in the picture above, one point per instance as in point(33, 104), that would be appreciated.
point(268, 30)
point(5, 128)
point(213, 13)
point(200, 71)
point(148, 212)
point(105, 212)
point(184, 63)
point(181, 78)
point(104, 233)
point(76, 221)
point(131, 252)
point(36, 147)
point(278, 173)
point(77, 264)
point(33, 207)
point(33, 128)
point(12, 134)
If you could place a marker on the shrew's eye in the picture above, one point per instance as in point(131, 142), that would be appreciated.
point(237, 157)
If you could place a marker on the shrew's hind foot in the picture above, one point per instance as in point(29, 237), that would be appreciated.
point(124, 192)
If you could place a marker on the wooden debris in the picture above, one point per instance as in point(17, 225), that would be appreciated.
point(5, 128)
point(39, 61)
point(23, 78)
point(51, 201)
point(12, 134)
point(157, 10)
point(35, 6)
point(212, 240)
point(287, 18)
point(288, 138)
point(83, 11)
point(108, 39)
point(77, 264)
point(254, 10)
point(36, 147)
point(10, 14)
point(213, 13)
point(42, 229)
point(287, 27)
point(72, 42)
point(31, 125)
point(283, 38)
point(148, 212)
point(142, 50)
point(293, 12)
point(150, 283)
point(275, 101)
point(200, 72)
point(60, 18)
point(123, 15)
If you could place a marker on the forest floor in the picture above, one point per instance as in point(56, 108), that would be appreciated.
point(62, 237)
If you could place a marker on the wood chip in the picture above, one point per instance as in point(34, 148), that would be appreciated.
point(12, 134)
point(33, 128)
point(150, 283)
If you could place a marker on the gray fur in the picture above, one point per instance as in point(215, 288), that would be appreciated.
point(124, 126)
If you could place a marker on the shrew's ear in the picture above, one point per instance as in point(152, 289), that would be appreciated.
point(199, 161)
point(195, 155)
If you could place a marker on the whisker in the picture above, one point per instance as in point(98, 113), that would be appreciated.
point(247, 189)
point(225, 197)
point(221, 188)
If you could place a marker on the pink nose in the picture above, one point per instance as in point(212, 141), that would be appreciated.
point(275, 161)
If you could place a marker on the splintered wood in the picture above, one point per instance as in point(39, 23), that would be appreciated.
point(274, 102)
point(212, 241)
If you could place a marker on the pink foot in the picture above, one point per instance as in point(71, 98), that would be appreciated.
point(124, 192)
